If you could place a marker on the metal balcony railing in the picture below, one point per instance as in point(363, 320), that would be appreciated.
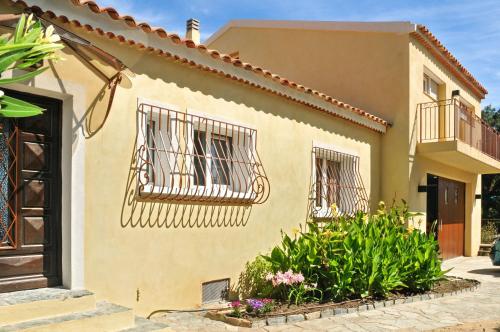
point(451, 120)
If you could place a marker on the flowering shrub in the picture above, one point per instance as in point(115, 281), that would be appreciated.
point(259, 306)
point(354, 257)
point(253, 306)
point(236, 306)
point(289, 285)
point(287, 278)
point(28, 45)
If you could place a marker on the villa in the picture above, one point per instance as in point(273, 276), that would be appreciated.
point(161, 165)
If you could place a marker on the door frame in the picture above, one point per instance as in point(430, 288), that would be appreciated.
point(74, 110)
point(55, 197)
point(432, 207)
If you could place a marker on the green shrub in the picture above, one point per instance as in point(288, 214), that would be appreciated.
point(488, 232)
point(252, 282)
point(359, 256)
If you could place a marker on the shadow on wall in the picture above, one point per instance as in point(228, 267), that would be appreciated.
point(161, 214)
point(97, 112)
point(99, 109)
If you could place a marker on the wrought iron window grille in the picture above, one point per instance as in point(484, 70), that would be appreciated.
point(8, 183)
point(190, 158)
point(337, 186)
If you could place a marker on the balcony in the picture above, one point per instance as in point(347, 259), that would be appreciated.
point(451, 133)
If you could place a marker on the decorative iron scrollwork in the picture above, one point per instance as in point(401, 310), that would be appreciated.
point(8, 183)
point(337, 187)
point(189, 158)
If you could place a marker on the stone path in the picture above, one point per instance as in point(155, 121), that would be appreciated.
point(468, 310)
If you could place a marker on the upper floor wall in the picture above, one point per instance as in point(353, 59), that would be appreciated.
point(378, 66)
point(365, 69)
point(425, 67)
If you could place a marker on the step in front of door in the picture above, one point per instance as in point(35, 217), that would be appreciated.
point(105, 317)
point(21, 306)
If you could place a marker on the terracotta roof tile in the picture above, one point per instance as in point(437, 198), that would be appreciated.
point(130, 21)
point(457, 66)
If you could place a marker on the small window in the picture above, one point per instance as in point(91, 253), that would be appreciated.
point(200, 158)
point(328, 174)
point(221, 148)
point(431, 87)
point(187, 157)
point(337, 181)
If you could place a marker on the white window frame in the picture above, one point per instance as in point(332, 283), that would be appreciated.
point(429, 83)
point(150, 187)
point(209, 185)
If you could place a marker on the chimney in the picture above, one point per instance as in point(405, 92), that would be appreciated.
point(193, 30)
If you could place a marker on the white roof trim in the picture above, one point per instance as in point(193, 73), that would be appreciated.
point(387, 27)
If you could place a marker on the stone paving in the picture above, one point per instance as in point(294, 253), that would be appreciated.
point(470, 311)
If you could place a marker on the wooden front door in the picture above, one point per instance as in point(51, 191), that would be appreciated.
point(451, 217)
point(30, 200)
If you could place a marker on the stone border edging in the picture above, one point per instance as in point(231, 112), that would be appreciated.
point(329, 312)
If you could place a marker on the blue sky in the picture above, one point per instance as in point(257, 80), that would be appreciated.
point(470, 29)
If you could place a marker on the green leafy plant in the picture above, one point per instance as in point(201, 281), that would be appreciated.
point(488, 231)
point(252, 283)
point(359, 256)
point(236, 309)
point(304, 292)
point(27, 46)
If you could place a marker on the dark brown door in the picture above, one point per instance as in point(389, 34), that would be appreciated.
point(451, 217)
point(30, 202)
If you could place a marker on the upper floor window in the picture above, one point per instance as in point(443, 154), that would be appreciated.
point(431, 87)
point(336, 182)
point(185, 157)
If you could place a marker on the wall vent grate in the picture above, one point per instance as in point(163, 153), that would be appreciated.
point(214, 291)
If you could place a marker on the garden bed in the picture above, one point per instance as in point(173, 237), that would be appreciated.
point(283, 313)
point(351, 263)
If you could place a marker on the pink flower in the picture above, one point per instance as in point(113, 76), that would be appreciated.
point(286, 278)
point(297, 278)
point(236, 304)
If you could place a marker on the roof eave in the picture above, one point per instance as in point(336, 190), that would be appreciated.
point(145, 37)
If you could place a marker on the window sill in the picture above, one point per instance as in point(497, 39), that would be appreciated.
point(214, 194)
point(322, 212)
point(431, 97)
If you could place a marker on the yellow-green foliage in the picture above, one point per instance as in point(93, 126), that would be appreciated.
point(28, 45)
point(252, 281)
point(364, 255)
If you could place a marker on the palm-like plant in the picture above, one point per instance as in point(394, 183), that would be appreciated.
point(27, 46)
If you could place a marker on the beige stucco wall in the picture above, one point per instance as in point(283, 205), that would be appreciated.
point(152, 255)
point(163, 250)
point(420, 166)
point(368, 70)
point(160, 249)
point(381, 73)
